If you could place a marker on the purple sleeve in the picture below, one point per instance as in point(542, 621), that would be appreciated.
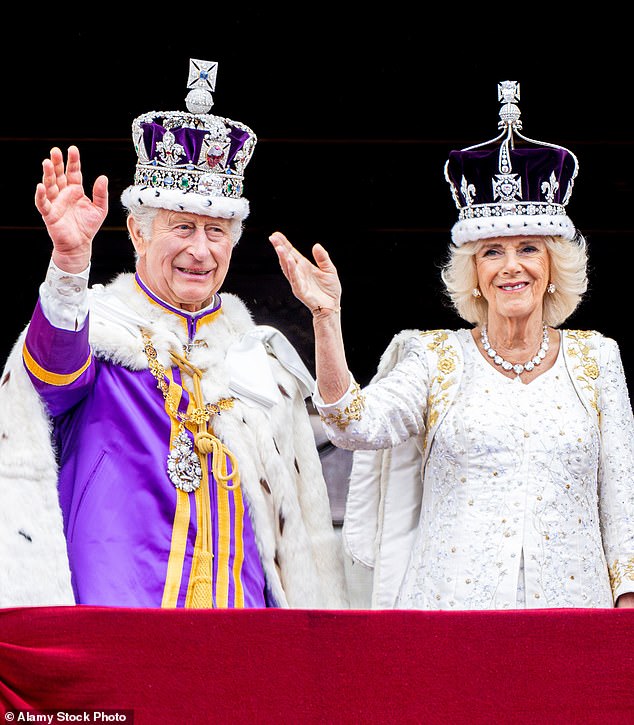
point(59, 362)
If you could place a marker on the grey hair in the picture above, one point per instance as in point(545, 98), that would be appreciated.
point(144, 215)
point(568, 272)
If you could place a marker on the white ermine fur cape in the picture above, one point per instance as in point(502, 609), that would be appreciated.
point(268, 430)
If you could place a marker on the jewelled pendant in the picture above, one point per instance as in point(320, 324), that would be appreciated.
point(183, 465)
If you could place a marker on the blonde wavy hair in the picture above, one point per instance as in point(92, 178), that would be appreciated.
point(568, 272)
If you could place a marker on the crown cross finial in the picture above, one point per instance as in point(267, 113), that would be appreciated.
point(508, 94)
point(508, 91)
point(201, 81)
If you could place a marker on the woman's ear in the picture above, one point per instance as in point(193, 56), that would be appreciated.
point(136, 235)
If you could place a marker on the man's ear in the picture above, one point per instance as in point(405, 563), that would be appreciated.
point(136, 235)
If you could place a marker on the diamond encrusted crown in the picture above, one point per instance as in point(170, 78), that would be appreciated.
point(192, 160)
point(511, 185)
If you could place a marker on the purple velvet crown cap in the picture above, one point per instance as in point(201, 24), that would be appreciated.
point(511, 185)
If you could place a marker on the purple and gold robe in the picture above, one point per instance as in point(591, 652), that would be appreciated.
point(133, 538)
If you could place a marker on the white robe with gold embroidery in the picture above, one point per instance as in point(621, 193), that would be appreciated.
point(459, 501)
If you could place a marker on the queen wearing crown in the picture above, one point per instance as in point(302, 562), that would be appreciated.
point(493, 465)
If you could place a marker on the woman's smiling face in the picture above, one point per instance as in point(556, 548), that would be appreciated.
point(513, 274)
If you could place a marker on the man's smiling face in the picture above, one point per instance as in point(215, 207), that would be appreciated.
point(186, 260)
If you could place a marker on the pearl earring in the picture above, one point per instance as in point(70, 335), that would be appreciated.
point(476, 292)
point(551, 289)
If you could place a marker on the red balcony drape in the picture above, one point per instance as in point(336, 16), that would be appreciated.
point(298, 667)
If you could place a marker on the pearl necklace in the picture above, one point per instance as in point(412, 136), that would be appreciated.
point(518, 369)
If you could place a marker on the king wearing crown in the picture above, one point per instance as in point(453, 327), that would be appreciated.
point(156, 445)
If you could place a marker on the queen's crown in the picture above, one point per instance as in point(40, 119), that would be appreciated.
point(512, 184)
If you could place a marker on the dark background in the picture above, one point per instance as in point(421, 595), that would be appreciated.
point(355, 115)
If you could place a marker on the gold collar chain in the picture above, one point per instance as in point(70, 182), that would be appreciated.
point(200, 413)
point(183, 465)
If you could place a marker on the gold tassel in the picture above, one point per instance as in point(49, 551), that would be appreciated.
point(204, 440)
point(200, 595)
point(201, 582)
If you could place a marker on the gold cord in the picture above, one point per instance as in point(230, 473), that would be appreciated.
point(204, 440)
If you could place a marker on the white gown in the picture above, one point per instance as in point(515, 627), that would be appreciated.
point(508, 468)
point(526, 500)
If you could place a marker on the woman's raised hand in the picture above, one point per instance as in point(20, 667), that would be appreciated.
point(316, 285)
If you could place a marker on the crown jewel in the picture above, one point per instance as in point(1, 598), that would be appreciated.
point(511, 185)
point(192, 160)
point(202, 81)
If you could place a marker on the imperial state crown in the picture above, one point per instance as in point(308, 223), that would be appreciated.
point(192, 160)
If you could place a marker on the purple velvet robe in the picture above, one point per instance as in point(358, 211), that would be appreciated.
point(131, 534)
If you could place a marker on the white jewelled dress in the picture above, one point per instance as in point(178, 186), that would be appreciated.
point(527, 492)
